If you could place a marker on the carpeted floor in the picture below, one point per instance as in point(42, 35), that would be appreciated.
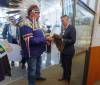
point(53, 73)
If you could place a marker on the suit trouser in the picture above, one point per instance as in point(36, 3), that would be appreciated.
point(66, 62)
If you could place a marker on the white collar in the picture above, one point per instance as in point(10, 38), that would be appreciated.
point(64, 28)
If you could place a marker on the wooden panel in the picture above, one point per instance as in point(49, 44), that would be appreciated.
point(94, 66)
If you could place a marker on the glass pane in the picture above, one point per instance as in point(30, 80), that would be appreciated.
point(68, 8)
point(84, 24)
point(92, 4)
point(85, 1)
point(51, 12)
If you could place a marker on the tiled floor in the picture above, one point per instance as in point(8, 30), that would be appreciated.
point(97, 83)
point(18, 73)
point(54, 72)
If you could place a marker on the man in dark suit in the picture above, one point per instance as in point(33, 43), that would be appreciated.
point(68, 39)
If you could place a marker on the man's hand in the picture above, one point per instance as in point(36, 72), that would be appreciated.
point(47, 34)
point(49, 38)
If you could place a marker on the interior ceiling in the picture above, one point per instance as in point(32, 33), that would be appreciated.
point(15, 6)
point(47, 4)
point(10, 6)
point(10, 3)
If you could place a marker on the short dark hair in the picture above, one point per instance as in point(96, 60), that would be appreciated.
point(65, 16)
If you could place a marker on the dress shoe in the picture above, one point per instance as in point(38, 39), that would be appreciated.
point(62, 79)
point(12, 63)
point(41, 78)
point(23, 66)
point(67, 83)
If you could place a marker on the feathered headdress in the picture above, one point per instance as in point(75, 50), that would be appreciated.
point(24, 6)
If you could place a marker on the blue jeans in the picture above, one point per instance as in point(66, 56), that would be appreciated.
point(34, 66)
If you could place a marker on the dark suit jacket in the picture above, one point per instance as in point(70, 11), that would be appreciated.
point(69, 39)
point(7, 34)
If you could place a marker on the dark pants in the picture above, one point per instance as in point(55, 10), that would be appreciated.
point(14, 41)
point(5, 69)
point(24, 59)
point(66, 62)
